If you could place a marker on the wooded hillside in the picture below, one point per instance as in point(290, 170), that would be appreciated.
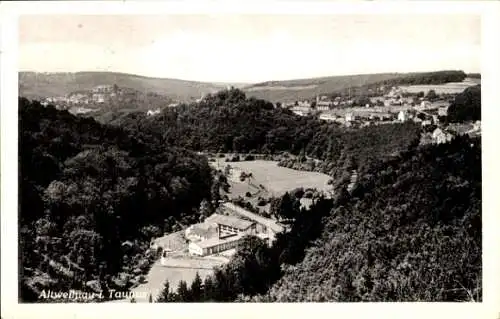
point(410, 232)
point(92, 196)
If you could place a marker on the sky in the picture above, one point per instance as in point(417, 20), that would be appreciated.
point(249, 48)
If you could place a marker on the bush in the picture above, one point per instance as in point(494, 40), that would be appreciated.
point(248, 194)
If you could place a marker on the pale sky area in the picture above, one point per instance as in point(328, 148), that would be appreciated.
point(249, 48)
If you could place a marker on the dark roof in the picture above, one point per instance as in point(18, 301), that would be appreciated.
point(230, 221)
point(269, 223)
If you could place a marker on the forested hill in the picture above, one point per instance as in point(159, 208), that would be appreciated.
point(228, 121)
point(41, 85)
point(410, 232)
point(92, 196)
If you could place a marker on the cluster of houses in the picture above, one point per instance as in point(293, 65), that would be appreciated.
point(374, 110)
point(98, 95)
point(225, 231)
point(445, 134)
point(378, 116)
point(394, 97)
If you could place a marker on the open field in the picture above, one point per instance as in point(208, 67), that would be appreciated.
point(448, 88)
point(293, 90)
point(275, 179)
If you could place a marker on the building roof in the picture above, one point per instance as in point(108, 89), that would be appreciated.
point(203, 231)
point(215, 241)
point(230, 221)
point(460, 128)
point(269, 223)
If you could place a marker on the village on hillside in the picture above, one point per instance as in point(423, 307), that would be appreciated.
point(425, 105)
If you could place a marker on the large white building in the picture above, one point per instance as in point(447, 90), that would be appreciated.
point(215, 245)
point(218, 233)
point(265, 228)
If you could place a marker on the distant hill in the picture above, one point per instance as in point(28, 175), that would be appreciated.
point(293, 90)
point(41, 85)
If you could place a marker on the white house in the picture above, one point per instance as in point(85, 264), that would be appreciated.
point(153, 112)
point(425, 105)
point(402, 116)
point(443, 111)
point(349, 117)
point(477, 126)
point(327, 117)
point(439, 136)
point(322, 106)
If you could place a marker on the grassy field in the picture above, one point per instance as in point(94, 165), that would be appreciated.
point(448, 88)
point(293, 90)
point(276, 180)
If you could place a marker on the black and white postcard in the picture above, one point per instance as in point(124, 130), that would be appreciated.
point(212, 154)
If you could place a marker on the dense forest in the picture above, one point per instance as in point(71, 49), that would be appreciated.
point(439, 77)
point(349, 149)
point(92, 196)
point(474, 75)
point(466, 106)
point(411, 231)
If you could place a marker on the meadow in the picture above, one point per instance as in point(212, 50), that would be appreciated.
point(447, 88)
point(275, 179)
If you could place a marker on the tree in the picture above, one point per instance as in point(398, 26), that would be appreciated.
point(206, 208)
point(431, 95)
point(208, 289)
point(165, 295)
point(285, 208)
point(466, 106)
point(183, 292)
point(298, 192)
point(196, 288)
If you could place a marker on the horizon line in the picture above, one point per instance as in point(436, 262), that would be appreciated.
point(241, 82)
